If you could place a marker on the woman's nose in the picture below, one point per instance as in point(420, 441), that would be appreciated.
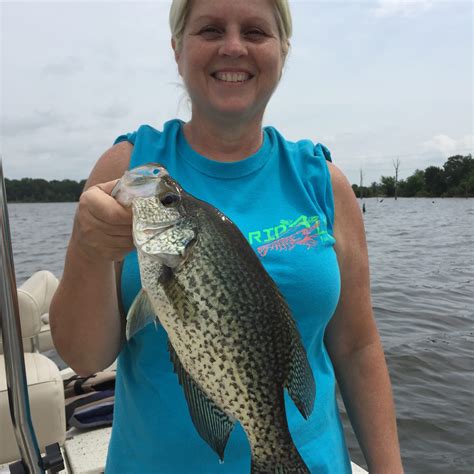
point(233, 45)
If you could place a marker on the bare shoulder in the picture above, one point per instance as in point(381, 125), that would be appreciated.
point(111, 165)
point(340, 184)
point(348, 223)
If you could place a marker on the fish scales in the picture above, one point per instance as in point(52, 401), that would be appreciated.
point(235, 342)
point(230, 326)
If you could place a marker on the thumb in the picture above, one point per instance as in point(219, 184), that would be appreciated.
point(108, 186)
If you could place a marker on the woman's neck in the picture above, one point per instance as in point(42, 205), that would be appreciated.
point(224, 141)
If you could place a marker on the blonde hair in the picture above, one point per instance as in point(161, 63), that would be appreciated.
point(180, 9)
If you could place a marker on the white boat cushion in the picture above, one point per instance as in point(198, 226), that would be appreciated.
point(46, 394)
point(41, 285)
point(34, 298)
point(30, 319)
point(30, 314)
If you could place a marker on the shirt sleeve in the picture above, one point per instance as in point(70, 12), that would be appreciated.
point(127, 137)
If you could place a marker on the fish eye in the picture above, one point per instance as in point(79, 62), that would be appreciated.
point(155, 171)
point(170, 199)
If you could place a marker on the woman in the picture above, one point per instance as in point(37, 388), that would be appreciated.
point(230, 54)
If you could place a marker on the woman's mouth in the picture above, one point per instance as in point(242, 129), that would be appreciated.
point(226, 76)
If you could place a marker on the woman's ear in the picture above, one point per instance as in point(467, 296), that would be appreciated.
point(177, 54)
point(173, 45)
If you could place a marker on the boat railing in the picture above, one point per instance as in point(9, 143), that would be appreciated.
point(31, 461)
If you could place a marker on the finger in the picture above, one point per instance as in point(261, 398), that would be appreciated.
point(120, 230)
point(119, 243)
point(105, 208)
point(114, 254)
point(111, 241)
point(91, 225)
point(108, 186)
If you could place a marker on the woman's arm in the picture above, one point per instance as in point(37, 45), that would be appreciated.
point(353, 341)
point(84, 313)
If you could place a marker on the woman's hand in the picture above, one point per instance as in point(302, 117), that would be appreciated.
point(102, 227)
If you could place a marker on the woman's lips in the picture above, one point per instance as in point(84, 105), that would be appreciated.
point(232, 76)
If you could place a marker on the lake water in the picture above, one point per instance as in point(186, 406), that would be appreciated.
point(422, 273)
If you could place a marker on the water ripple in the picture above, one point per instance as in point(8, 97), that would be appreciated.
point(422, 274)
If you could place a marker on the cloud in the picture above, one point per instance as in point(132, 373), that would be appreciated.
point(69, 65)
point(58, 152)
point(447, 146)
point(114, 111)
point(406, 8)
point(27, 124)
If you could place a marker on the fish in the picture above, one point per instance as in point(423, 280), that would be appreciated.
point(233, 342)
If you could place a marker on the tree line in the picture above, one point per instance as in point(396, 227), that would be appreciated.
point(454, 179)
point(41, 190)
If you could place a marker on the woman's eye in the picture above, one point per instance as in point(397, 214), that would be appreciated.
point(255, 33)
point(214, 32)
point(210, 32)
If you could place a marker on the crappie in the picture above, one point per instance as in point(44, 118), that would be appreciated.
point(232, 339)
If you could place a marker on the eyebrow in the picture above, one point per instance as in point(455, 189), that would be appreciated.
point(214, 19)
point(205, 18)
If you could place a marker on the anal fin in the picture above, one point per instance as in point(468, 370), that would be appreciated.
point(213, 424)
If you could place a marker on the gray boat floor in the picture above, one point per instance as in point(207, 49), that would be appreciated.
point(85, 452)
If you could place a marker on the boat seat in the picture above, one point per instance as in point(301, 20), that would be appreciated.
point(41, 286)
point(34, 298)
point(45, 384)
point(46, 394)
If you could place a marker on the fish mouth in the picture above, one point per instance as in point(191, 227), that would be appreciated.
point(169, 243)
point(150, 231)
point(140, 182)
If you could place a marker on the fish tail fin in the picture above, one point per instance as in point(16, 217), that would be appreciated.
point(290, 463)
point(279, 469)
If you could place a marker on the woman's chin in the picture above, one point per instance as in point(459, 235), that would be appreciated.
point(231, 112)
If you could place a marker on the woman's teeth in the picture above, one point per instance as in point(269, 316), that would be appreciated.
point(232, 76)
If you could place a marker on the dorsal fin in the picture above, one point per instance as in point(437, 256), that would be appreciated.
point(299, 378)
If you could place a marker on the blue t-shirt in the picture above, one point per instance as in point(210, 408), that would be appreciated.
point(281, 199)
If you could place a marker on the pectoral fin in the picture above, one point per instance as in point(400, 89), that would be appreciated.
point(213, 424)
point(140, 314)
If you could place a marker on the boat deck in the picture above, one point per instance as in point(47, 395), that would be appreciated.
point(85, 452)
point(80, 445)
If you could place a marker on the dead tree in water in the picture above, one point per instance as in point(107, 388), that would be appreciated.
point(361, 190)
point(396, 165)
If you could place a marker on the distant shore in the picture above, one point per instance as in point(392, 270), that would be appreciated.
point(454, 179)
point(379, 198)
point(31, 190)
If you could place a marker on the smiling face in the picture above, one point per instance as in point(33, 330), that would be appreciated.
point(231, 58)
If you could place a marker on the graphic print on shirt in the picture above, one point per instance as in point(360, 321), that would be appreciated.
point(306, 231)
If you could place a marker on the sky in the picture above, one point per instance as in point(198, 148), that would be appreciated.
point(374, 81)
